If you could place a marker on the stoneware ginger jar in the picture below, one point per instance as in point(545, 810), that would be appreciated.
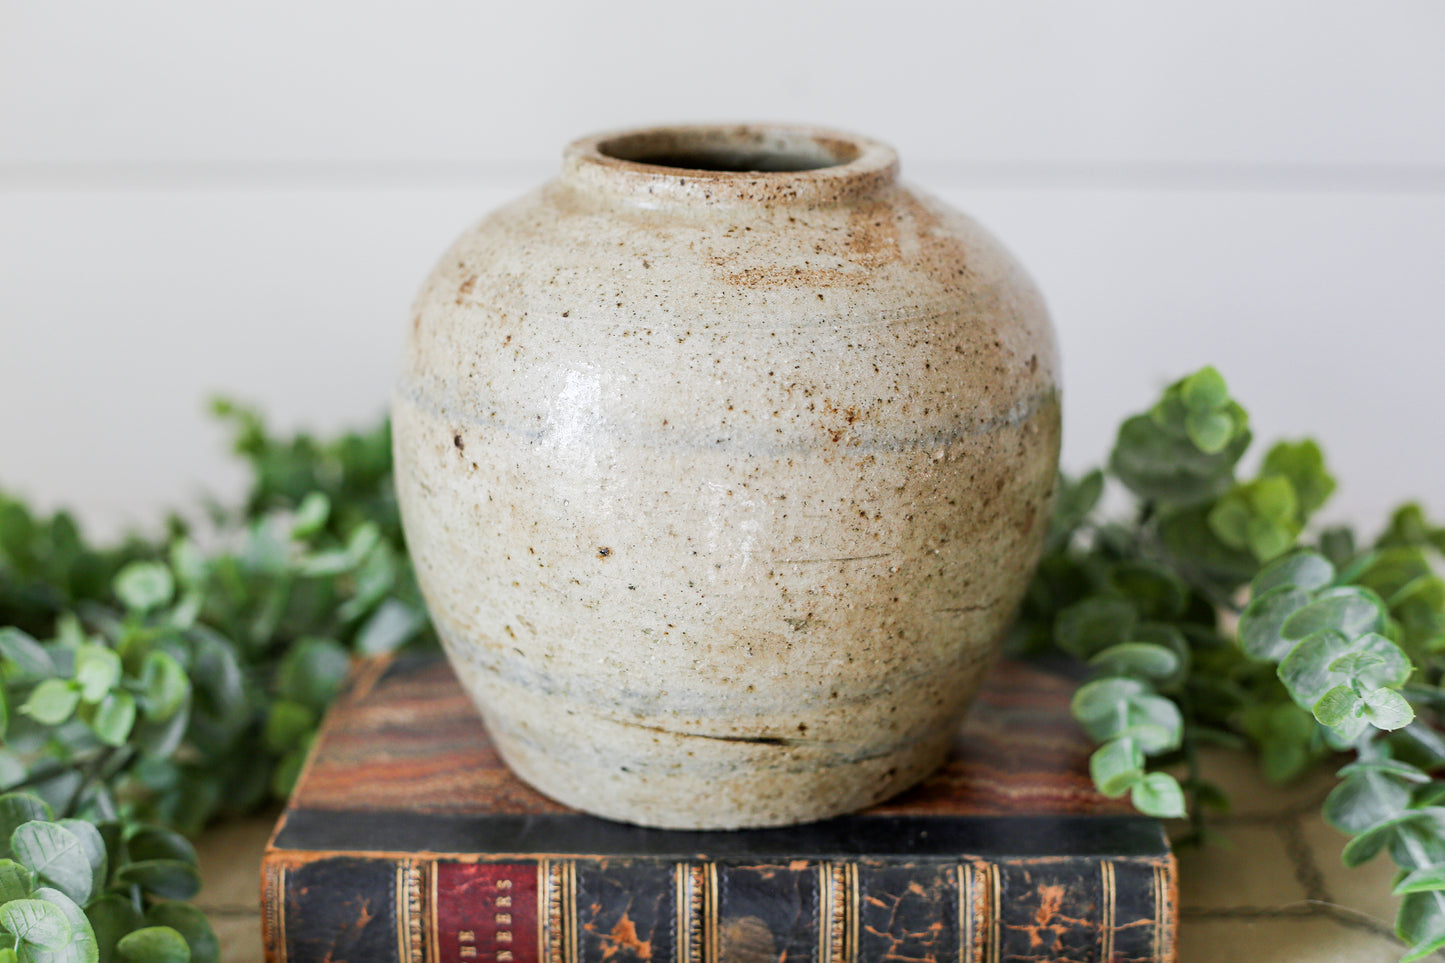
point(724, 459)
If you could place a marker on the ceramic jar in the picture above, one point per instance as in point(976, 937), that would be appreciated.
point(724, 459)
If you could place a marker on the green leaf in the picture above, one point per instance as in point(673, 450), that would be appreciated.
point(35, 921)
point(114, 718)
point(1421, 924)
point(1155, 590)
point(16, 881)
point(1303, 464)
point(1260, 516)
point(1338, 705)
point(1154, 463)
point(1211, 431)
point(157, 842)
point(111, 918)
point(1194, 547)
point(1369, 794)
point(16, 809)
point(1368, 843)
point(391, 625)
point(192, 924)
point(52, 702)
point(1387, 709)
point(1116, 766)
point(165, 686)
point(1158, 794)
point(311, 515)
point(1421, 880)
point(1350, 610)
point(1115, 708)
point(154, 944)
point(1306, 671)
point(94, 846)
point(82, 947)
point(312, 671)
point(1262, 624)
point(166, 878)
point(1094, 624)
point(143, 586)
point(24, 659)
point(55, 855)
point(1204, 390)
point(1375, 662)
point(1306, 570)
point(1139, 659)
point(287, 724)
point(97, 670)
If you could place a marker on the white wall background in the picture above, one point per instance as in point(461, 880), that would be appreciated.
point(242, 197)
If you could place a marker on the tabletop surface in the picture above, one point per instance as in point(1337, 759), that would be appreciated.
point(1271, 890)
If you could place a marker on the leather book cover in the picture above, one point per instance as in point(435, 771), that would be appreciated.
point(407, 839)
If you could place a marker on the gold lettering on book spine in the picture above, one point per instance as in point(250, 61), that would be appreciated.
point(983, 897)
point(274, 905)
point(695, 929)
point(838, 925)
point(1163, 942)
point(1107, 923)
point(558, 885)
point(411, 916)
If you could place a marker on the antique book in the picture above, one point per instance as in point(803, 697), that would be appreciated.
point(407, 839)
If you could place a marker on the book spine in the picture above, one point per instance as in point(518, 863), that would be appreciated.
point(624, 910)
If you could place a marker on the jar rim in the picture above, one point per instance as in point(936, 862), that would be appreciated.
point(731, 163)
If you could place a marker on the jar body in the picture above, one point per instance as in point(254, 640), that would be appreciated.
point(721, 503)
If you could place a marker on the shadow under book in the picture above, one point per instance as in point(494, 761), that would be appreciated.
point(407, 839)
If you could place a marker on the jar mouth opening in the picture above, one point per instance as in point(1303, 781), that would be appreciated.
point(731, 150)
point(730, 163)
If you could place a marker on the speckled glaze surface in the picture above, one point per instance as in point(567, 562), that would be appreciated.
point(724, 459)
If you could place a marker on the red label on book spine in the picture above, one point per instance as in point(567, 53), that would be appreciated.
point(486, 913)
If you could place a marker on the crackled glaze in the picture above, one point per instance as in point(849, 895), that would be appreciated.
point(723, 485)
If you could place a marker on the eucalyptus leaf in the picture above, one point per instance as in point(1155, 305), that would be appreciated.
point(97, 670)
point(1368, 796)
point(1094, 625)
point(166, 878)
point(157, 842)
point(16, 809)
point(154, 944)
point(1421, 880)
point(165, 686)
point(1140, 659)
point(56, 855)
point(1262, 624)
point(1303, 464)
point(82, 947)
point(1158, 794)
point(24, 659)
point(192, 924)
point(143, 586)
point(1387, 709)
point(16, 881)
point(52, 702)
point(1309, 571)
point(112, 917)
point(36, 922)
point(94, 847)
point(114, 718)
point(1350, 610)
point(1116, 766)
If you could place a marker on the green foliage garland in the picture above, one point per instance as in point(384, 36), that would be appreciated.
point(154, 686)
point(1210, 616)
point(140, 679)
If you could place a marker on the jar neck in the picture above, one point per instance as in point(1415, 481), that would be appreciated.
point(720, 165)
